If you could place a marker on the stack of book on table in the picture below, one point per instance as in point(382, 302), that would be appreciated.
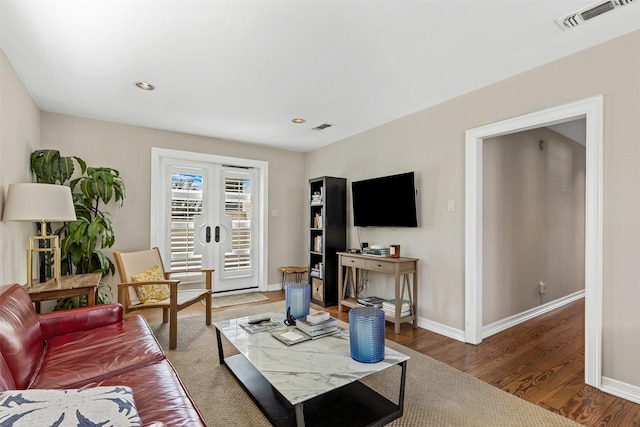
point(314, 326)
point(389, 308)
point(371, 301)
point(377, 251)
point(314, 329)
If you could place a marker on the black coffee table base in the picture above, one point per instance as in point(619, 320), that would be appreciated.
point(354, 404)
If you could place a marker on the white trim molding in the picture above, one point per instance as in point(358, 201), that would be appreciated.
point(516, 319)
point(439, 328)
point(590, 109)
point(620, 389)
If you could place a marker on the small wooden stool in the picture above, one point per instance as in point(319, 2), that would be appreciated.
point(298, 271)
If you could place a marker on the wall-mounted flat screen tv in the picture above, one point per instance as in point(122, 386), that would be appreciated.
point(388, 201)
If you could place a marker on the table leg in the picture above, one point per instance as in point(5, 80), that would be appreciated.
point(37, 304)
point(220, 352)
point(340, 284)
point(91, 296)
point(402, 387)
point(357, 274)
point(415, 298)
point(398, 307)
point(299, 415)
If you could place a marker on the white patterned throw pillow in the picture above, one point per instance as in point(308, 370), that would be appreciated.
point(98, 406)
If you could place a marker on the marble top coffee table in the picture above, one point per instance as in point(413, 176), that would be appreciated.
point(313, 383)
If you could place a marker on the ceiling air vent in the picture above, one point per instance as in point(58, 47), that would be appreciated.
point(322, 126)
point(581, 16)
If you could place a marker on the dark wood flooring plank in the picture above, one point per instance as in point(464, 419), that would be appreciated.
point(558, 397)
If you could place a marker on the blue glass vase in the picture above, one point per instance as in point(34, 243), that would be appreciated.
point(298, 299)
point(366, 334)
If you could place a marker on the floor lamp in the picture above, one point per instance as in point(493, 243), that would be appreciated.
point(43, 203)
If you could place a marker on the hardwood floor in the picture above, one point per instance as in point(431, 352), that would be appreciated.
point(541, 361)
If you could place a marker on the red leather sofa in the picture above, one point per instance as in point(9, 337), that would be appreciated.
point(90, 347)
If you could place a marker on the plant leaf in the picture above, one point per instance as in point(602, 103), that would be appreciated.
point(83, 165)
point(65, 168)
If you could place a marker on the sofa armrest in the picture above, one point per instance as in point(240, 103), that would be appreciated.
point(79, 319)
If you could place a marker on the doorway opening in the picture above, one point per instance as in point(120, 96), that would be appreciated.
point(591, 110)
point(533, 223)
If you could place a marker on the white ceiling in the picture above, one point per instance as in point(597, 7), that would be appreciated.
point(575, 130)
point(241, 70)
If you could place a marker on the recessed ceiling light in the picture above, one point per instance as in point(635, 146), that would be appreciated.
point(145, 86)
point(298, 120)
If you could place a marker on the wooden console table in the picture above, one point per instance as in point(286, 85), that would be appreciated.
point(399, 267)
point(70, 286)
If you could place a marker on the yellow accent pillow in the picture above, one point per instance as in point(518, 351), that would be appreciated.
point(151, 293)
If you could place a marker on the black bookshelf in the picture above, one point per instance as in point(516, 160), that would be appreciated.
point(327, 236)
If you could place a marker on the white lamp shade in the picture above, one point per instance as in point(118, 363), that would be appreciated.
point(39, 202)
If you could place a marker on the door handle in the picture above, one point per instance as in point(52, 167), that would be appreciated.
point(208, 234)
point(217, 233)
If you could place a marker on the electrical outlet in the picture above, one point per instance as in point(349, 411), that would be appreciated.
point(543, 288)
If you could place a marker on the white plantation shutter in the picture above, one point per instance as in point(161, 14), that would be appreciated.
point(186, 204)
point(237, 202)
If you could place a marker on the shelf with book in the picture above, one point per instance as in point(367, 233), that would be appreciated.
point(327, 236)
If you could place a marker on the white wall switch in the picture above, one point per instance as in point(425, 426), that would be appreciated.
point(451, 205)
point(274, 212)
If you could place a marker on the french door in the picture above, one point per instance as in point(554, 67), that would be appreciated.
point(208, 217)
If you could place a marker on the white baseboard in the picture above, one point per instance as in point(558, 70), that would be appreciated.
point(516, 319)
point(441, 329)
point(620, 389)
point(494, 328)
point(274, 287)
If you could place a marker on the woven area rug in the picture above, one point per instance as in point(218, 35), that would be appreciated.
point(436, 394)
point(237, 299)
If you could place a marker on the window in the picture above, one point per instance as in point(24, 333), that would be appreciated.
point(186, 205)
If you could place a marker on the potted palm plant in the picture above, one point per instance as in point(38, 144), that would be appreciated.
point(82, 241)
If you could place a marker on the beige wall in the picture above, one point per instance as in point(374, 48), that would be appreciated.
point(431, 142)
point(19, 136)
point(533, 221)
point(128, 149)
